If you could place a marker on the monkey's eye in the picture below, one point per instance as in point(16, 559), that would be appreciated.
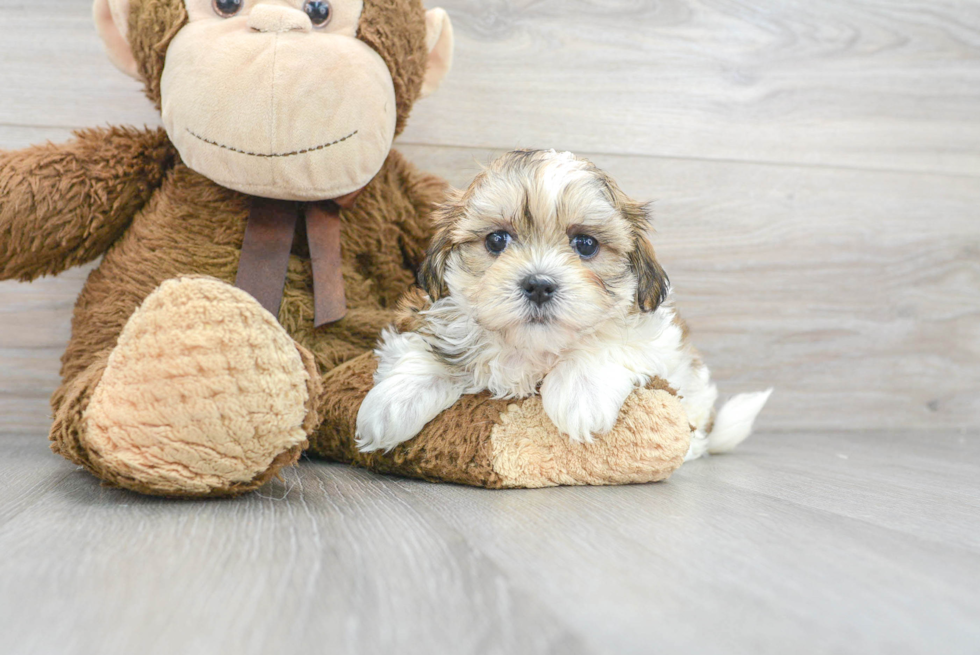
point(498, 241)
point(318, 11)
point(587, 247)
point(227, 8)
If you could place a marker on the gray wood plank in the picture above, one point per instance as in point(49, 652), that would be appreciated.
point(861, 84)
point(55, 74)
point(699, 565)
point(736, 554)
point(28, 470)
point(35, 324)
point(330, 559)
point(865, 84)
point(923, 484)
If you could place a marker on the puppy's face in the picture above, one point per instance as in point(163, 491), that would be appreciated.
point(542, 247)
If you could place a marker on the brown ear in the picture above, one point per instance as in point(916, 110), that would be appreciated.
point(652, 284)
point(433, 270)
point(112, 22)
point(432, 273)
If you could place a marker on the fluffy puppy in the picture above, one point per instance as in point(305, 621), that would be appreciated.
point(541, 278)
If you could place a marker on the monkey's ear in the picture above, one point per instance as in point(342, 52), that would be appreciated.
point(439, 41)
point(652, 284)
point(112, 22)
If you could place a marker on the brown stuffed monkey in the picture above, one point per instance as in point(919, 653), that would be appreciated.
point(271, 193)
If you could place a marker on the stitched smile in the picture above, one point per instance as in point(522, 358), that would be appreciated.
point(262, 154)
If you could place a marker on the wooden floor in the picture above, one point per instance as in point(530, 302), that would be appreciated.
point(800, 543)
point(815, 168)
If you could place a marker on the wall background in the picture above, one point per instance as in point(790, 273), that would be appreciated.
point(815, 167)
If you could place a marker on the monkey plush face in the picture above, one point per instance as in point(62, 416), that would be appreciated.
point(286, 99)
point(259, 98)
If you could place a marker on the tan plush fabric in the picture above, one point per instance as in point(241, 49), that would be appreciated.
point(395, 29)
point(647, 445)
point(204, 389)
point(440, 42)
point(314, 110)
point(112, 22)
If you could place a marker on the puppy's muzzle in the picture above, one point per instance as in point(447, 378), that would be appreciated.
point(539, 290)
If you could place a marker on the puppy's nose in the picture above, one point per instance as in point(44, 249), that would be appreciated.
point(273, 18)
point(539, 290)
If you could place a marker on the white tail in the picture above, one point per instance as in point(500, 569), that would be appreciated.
point(734, 421)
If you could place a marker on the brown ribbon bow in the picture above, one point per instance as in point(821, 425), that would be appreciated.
point(268, 241)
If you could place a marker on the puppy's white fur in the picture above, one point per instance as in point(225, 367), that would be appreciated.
point(584, 352)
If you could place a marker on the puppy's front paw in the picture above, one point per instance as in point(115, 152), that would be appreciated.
point(398, 408)
point(584, 404)
point(380, 423)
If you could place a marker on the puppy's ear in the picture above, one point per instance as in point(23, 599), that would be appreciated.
point(652, 284)
point(432, 273)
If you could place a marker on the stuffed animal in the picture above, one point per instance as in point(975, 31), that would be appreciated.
point(253, 251)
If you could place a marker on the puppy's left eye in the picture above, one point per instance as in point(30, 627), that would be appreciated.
point(497, 242)
point(587, 247)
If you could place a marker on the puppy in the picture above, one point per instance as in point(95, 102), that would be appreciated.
point(541, 278)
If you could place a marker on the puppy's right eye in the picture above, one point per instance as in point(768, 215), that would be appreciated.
point(227, 8)
point(497, 242)
point(585, 246)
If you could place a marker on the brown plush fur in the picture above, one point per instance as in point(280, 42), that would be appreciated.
point(455, 447)
point(64, 205)
point(396, 31)
point(152, 25)
point(125, 194)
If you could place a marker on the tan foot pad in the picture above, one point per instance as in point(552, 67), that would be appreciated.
point(204, 394)
point(647, 444)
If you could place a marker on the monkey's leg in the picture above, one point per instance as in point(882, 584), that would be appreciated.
point(505, 444)
point(204, 395)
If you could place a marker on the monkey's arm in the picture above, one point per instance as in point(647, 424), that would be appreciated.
point(63, 205)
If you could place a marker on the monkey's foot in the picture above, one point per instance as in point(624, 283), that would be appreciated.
point(500, 444)
point(205, 394)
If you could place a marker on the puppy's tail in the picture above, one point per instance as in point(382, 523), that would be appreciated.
point(733, 424)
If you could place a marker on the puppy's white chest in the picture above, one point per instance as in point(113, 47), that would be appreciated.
point(512, 373)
